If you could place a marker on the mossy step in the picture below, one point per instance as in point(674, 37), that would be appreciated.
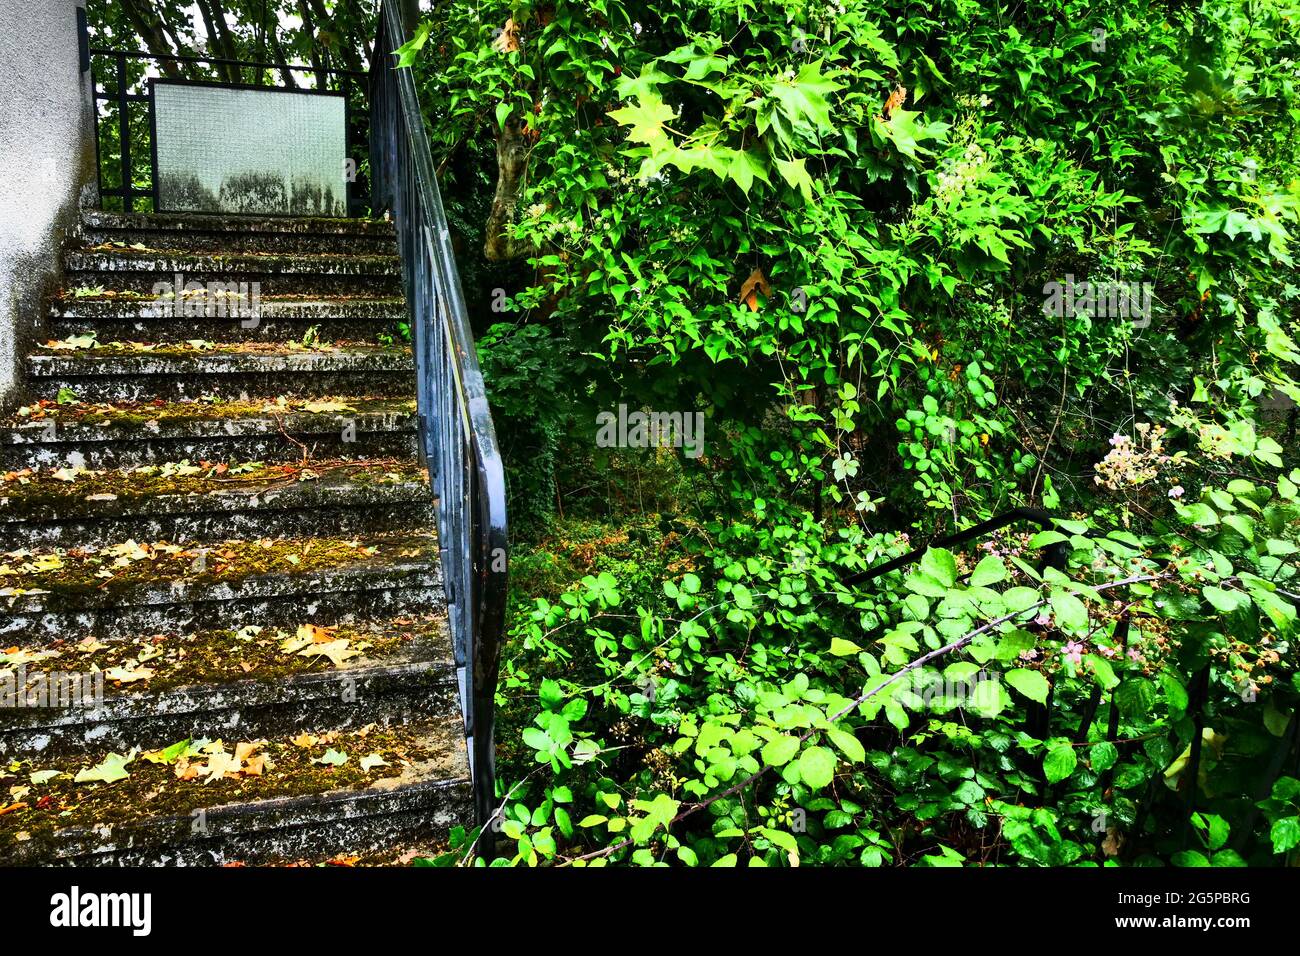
point(168, 262)
point(283, 243)
point(135, 373)
point(119, 434)
point(187, 502)
point(251, 681)
point(148, 307)
point(154, 272)
point(153, 587)
point(185, 223)
point(280, 799)
point(146, 318)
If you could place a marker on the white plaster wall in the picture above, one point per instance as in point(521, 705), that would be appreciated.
point(46, 154)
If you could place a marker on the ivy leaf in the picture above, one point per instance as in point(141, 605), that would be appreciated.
point(795, 173)
point(410, 50)
point(803, 100)
point(647, 119)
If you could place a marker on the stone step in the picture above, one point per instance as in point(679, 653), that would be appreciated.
point(292, 807)
point(156, 272)
point(153, 587)
point(164, 503)
point(238, 233)
point(144, 318)
point(127, 434)
point(85, 696)
point(133, 372)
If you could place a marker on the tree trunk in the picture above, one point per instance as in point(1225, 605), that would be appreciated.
point(214, 22)
point(146, 25)
point(313, 51)
point(512, 167)
point(278, 52)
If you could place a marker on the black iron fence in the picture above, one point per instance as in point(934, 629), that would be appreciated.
point(126, 157)
point(457, 438)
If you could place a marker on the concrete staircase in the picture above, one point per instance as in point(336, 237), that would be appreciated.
point(221, 522)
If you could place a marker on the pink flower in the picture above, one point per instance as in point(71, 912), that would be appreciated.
point(1134, 654)
point(1176, 491)
point(1107, 652)
point(1073, 652)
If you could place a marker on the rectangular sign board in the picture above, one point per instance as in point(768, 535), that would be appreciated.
point(248, 150)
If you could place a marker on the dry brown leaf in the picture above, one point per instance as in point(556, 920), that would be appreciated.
point(895, 100)
point(756, 283)
point(507, 40)
point(254, 767)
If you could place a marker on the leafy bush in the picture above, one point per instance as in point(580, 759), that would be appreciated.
point(916, 267)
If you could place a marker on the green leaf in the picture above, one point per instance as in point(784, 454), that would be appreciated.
point(842, 648)
point(1104, 755)
point(940, 565)
point(1285, 834)
point(112, 768)
point(1069, 612)
point(816, 767)
point(780, 751)
point(990, 570)
point(1224, 601)
point(1059, 763)
point(848, 744)
point(646, 119)
point(1031, 684)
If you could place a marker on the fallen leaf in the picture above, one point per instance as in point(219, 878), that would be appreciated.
point(112, 768)
point(124, 676)
point(167, 754)
point(337, 651)
point(332, 758)
point(370, 761)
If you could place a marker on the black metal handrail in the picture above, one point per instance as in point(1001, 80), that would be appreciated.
point(457, 438)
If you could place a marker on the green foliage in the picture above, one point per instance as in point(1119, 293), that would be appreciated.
point(909, 184)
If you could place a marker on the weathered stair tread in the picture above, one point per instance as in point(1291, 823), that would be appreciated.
point(257, 680)
point(201, 222)
point(113, 421)
point(152, 665)
point(171, 261)
point(156, 815)
point(168, 490)
point(136, 360)
point(135, 575)
point(140, 307)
